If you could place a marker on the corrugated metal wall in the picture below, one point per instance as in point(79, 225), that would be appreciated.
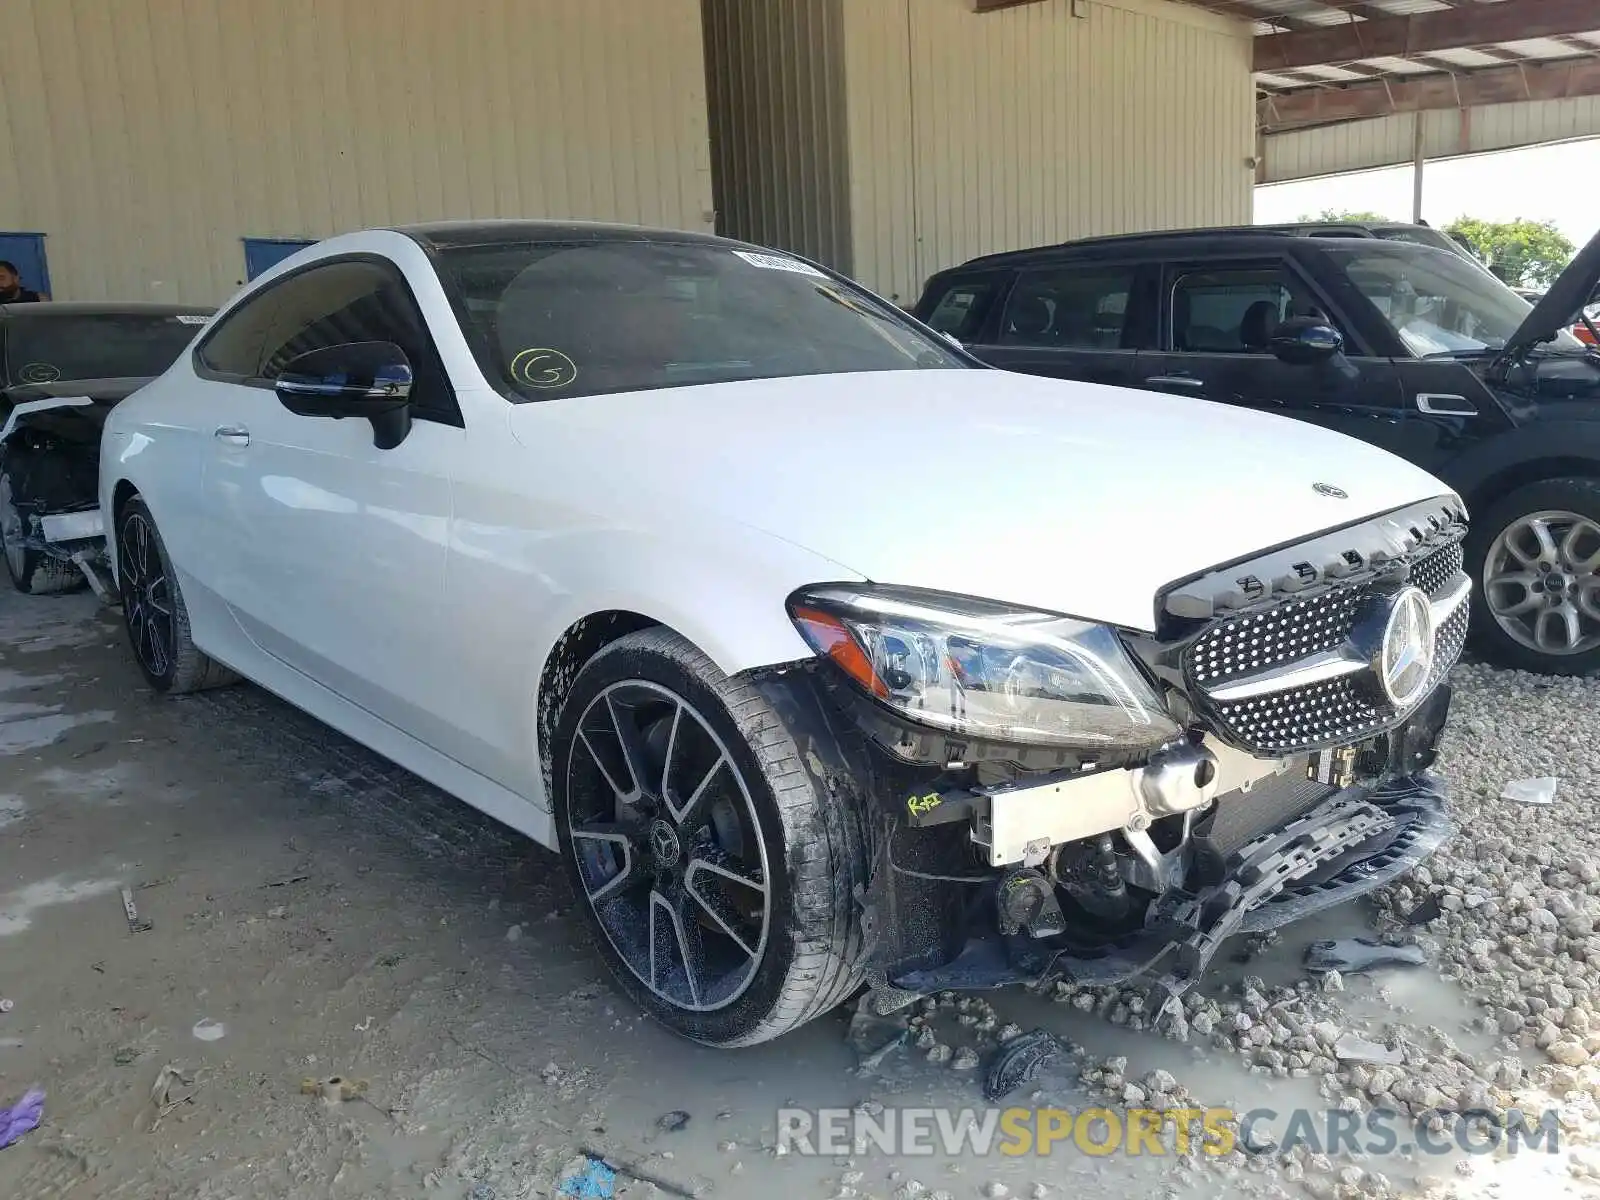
point(775, 86)
point(1389, 141)
point(147, 138)
point(971, 133)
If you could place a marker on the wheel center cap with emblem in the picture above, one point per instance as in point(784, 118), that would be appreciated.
point(664, 844)
point(1404, 661)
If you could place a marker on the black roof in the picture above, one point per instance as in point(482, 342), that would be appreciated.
point(1260, 235)
point(486, 233)
point(87, 308)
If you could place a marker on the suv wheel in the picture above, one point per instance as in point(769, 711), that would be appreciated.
point(719, 878)
point(1536, 558)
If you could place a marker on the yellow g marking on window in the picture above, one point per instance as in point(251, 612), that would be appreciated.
point(543, 368)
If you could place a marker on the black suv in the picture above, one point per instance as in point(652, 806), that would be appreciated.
point(1411, 348)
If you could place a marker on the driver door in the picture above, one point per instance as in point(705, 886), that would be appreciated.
point(328, 552)
point(1218, 318)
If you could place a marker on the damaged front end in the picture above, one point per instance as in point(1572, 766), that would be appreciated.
point(1263, 757)
point(49, 484)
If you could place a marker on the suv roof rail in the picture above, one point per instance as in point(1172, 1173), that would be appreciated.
point(1293, 230)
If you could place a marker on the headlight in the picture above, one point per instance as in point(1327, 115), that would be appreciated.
point(986, 670)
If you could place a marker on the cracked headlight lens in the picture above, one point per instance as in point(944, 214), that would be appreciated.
point(986, 670)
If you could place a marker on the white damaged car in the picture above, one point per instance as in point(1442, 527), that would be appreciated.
point(826, 656)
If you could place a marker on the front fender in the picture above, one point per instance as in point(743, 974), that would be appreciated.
point(1571, 445)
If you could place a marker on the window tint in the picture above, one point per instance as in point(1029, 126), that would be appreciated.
point(1084, 308)
point(354, 300)
point(46, 348)
point(963, 307)
point(1236, 310)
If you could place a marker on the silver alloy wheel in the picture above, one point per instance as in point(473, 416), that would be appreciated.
point(146, 596)
point(11, 531)
point(668, 845)
point(1541, 581)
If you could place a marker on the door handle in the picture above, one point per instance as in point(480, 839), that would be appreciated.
point(1443, 404)
point(234, 435)
point(1183, 381)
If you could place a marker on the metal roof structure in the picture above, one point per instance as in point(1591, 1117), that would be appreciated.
point(1324, 61)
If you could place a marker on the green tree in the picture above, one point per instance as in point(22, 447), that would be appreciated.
point(1523, 253)
point(1330, 216)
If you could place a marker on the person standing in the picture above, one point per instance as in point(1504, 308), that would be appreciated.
point(11, 289)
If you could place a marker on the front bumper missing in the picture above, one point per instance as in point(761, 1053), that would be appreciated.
point(1353, 842)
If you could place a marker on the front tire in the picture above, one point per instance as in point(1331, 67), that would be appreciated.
point(32, 571)
point(719, 878)
point(153, 610)
point(1535, 556)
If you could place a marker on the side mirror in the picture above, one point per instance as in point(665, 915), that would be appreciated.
point(1306, 341)
point(356, 379)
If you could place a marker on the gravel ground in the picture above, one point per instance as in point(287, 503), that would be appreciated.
point(328, 914)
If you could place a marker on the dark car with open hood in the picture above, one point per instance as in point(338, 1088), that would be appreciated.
point(1404, 345)
point(62, 368)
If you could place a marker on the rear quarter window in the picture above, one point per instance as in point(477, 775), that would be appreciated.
point(959, 307)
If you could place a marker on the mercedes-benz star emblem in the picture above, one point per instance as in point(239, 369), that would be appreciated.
point(664, 844)
point(1327, 489)
point(1405, 656)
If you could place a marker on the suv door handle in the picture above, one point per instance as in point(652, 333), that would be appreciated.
point(234, 435)
point(1445, 404)
point(1183, 381)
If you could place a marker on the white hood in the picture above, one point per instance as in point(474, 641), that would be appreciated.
point(1073, 498)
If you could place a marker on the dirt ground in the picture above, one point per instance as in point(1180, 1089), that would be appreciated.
point(316, 912)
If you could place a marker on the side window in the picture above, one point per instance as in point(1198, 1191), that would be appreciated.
point(964, 307)
point(1076, 308)
point(355, 300)
point(1234, 310)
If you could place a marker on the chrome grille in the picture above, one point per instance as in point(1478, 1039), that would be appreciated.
point(1326, 712)
point(1269, 639)
point(1435, 571)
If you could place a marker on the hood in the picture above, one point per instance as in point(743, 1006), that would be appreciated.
point(1559, 308)
point(1069, 497)
point(96, 389)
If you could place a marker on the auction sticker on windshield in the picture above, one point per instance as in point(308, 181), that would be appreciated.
point(776, 262)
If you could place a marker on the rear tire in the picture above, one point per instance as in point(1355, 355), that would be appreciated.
point(669, 878)
point(31, 570)
point(153, 610)
point(1534, 557)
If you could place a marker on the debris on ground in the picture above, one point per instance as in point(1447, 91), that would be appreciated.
point(1427, 911)
point(208, 1030)
point(7, 1005)
point(173, 1087)
point(1018, 1062)
point(673, 1121)
point(1353, 955)
point(1531, 791)
point(1353, 1048)
point(21, 1117)
point(335, 1090)
point(589, 1178)
point(620, 1165)
point(135, 923)
point(873, 1036)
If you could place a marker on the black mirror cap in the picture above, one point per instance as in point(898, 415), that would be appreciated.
point(1303, 341)
point(354, 379)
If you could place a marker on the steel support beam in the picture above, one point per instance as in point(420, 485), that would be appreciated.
point(1463, 27)
point(1493, 85)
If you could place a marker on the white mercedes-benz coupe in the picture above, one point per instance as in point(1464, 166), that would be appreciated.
point(827, 657)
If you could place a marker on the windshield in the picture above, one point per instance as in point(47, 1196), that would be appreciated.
point(108, 346)
point(1437, 302)
point(561, 319)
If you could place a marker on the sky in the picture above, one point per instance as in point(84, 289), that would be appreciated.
point(1558, 183)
